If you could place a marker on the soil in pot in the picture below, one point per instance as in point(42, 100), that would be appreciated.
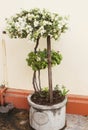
point(42, 98)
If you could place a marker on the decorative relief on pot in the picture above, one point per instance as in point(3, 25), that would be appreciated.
point(56, 111)
point(40, 118)
point(59, 111)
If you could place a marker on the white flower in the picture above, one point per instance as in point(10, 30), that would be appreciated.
point(37, 16)
point(59, 26)
point(52, 16)
point(54, 30)
point(56, 18)
point(22, 25)
point(24, 19)
point(17, 25)
point(36, 23)
point(49, 23)
point(30, 16)
point(45, 22)
point(56, 36)
point(42, 31)
point(41, 28)
point(28, 28)
point(20, 19)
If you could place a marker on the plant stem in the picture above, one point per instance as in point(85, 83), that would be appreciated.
point(34, 74)
point(36, 46)
point(35, 82)
point(39, 80)
point(49, 68)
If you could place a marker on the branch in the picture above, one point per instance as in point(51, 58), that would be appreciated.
point(35, 85)
point(39, 80)
point(33, 81)
point(36, 46)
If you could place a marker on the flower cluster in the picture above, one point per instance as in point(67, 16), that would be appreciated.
point(36, 23)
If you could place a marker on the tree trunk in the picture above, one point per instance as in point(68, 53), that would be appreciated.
point(49, 68)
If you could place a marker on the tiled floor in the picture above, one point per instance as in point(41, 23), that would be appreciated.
point(19, 120)
point(77, 122)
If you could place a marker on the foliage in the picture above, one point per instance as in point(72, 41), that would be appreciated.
point(45, 89)
point(58, 90)
point(62, 89)
point(38, 60)
point(36, 23)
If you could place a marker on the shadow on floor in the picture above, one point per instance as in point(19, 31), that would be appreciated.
point(18, 119)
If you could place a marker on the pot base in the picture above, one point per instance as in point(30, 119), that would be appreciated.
point(64, 126)
point(58, 129)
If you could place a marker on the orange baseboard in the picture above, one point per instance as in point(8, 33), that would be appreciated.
point(76, 104)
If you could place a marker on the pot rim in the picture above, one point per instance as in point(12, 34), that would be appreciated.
point(46, 107)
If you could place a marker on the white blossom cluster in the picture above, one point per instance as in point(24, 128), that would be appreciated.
point(36, 23)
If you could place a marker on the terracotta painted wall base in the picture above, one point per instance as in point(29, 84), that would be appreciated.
point(77, 104)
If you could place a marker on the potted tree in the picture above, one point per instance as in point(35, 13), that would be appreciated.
point(47, 104)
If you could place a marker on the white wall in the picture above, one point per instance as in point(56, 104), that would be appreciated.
point(73, 71)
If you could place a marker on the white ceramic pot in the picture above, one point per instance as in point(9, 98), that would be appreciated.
point(42, 117)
